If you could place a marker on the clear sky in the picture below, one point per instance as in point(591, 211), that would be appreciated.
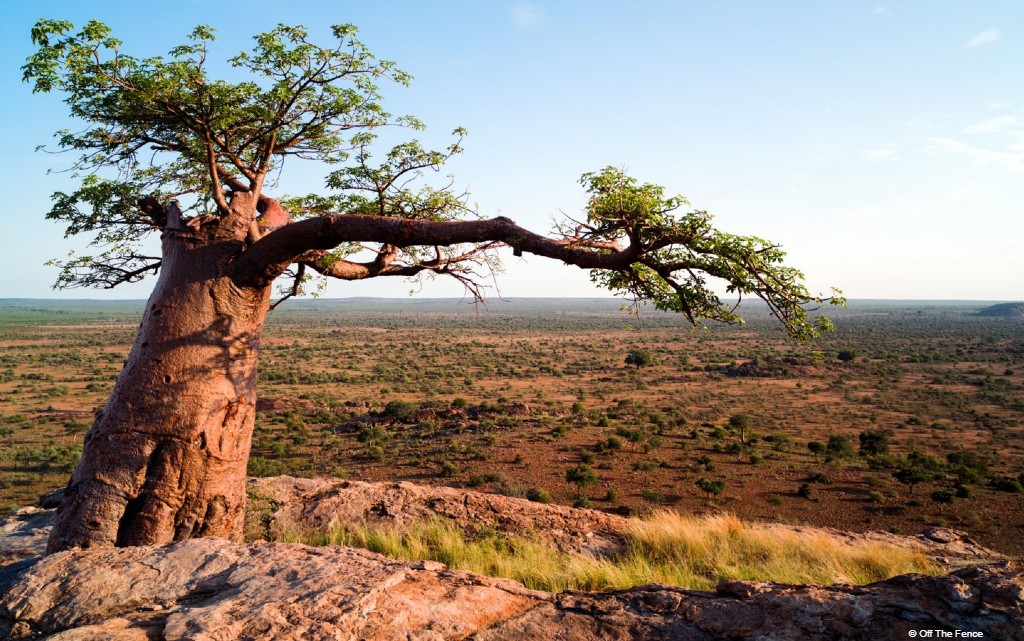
point(882, 143)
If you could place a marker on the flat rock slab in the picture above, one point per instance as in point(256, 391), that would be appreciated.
point(24, 533)
point(212, 589)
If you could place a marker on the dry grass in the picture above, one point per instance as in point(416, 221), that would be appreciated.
point(692, 552)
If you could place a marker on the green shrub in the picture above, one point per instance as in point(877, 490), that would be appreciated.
point(448, 470)
point(539, 496)
point(581, 476)
point(1007, 484)
point(653, 496)
point(404, 411)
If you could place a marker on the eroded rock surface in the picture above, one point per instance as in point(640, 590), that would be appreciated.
point(319, 503)
point(284, 502)
point(211, 589)
point(23, 534)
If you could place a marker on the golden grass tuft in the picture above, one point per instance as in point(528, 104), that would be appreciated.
point(665, 547)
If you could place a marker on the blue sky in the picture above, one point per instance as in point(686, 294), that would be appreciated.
point(882, 143)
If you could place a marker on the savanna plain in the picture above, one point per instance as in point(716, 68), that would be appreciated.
point(910, 415)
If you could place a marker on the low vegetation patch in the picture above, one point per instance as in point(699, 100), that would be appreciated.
point(692, 552)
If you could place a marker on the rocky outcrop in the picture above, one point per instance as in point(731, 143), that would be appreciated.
point(282, 502)
point(211, 589)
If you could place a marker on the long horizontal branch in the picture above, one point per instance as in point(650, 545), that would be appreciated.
point(272, 254)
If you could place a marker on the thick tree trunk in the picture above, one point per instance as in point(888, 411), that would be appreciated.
point(166, 458)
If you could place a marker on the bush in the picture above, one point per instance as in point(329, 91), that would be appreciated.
point(632, 435)
point(816, 448)
point(874, 442)
point(711, 488)
point(653, 496)
point(449, 469)
point(839, 447)
point(370, 433)
point(475, 480)
point(1007, 484)
point(613, 444)
point(259, 466)
point(639, 358)
point(539, 496)
point(581, 476)
point(804, 491)
point(404, 411)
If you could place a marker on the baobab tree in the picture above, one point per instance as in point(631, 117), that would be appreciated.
point(165, 149)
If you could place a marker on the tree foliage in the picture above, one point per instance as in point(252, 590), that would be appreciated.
point(161, 130)
point(639, 357)
point(742, 424)
point(709, 487)
point(581, 476)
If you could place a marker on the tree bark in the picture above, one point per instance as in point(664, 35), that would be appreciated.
point(166, 458)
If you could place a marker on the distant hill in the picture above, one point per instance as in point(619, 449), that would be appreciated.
point(1004, 310)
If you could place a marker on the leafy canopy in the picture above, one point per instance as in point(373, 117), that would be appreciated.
point(679, 251)
point(161, 127)
point(160, 130)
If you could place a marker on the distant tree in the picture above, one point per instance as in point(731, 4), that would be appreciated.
point(709, 487)
point(581, 476)
point(911, 476)
point(918, 468)
point(839, 447)
point(639, 358)
point(741, 423)
point(967, 467)
point(816, 448)
point(874, 442)
point(402, 411)
point(166, 150)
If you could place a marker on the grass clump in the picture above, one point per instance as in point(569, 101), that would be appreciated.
point(665, 547)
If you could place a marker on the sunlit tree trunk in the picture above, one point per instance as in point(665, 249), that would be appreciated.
point(166, 458)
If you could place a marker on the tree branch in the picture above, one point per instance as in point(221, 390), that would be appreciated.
point(272, 254)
